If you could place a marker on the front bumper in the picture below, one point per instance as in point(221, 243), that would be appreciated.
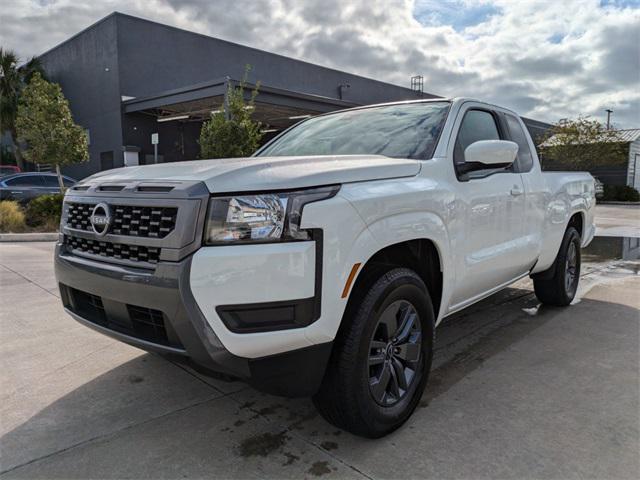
point(156, 310)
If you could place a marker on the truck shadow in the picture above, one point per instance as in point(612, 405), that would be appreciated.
point(465, 342)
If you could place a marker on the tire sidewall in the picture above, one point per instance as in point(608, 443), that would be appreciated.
point(406, 285)
point(571, 236)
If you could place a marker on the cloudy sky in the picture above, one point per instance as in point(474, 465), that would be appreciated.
point(547, 59)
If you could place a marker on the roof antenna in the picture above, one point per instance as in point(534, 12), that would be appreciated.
point(609, 112)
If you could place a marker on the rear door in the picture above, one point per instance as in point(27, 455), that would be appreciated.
point(51, 184)
point(534, 188)
point(489, 238)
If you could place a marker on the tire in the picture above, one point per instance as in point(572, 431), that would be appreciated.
point(558, 285)
point(363, 390)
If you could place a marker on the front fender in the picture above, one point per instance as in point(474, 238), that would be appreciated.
point(420, 225)
point(348, 240)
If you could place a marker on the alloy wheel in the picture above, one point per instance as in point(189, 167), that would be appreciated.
point(571, 268)
point(395, 353)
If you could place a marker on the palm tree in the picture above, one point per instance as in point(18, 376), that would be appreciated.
point(13, 78)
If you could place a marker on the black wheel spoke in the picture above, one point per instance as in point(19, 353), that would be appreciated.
point(379, 385)
point(394, 386)
point(400, 376)
point(410, 351)
point(408, 322)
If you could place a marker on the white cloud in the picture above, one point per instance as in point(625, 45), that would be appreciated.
point(545, 59)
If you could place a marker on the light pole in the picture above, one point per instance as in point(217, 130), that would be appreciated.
point(609, 112)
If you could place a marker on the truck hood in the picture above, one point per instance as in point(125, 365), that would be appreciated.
point(267, 173)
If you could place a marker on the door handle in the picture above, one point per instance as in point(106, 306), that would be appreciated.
point(516, 191)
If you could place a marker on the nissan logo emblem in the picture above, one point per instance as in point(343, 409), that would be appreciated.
point(100, 219)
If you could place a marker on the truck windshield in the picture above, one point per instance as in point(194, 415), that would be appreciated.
point(408, 130)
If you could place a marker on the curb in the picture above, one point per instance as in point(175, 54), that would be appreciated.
point(613, 202)
point(28, 237)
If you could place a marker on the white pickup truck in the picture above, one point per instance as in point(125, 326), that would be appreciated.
point(322, 265)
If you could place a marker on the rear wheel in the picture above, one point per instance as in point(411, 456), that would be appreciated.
point(381, 357)
point(558, 286)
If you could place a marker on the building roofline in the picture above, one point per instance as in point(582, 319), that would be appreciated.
point(172, 27)
point(75, 35)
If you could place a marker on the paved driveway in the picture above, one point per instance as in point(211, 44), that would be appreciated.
point(518, 391)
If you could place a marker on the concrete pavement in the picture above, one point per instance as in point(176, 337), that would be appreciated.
point(618, 220)
point(517, 391)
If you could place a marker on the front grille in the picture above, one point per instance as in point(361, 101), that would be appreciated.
point(89, 305)
point(148, 323)
point(129, 220)
point(139, 322)
point(120, 251)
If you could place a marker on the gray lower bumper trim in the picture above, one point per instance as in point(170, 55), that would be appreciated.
point(136, 342)
point(166, 289)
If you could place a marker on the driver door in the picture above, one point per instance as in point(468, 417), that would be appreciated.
point(491, 202)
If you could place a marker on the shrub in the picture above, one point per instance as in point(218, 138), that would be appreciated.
point(620, 193)
point(45, 211)
point(11, 217)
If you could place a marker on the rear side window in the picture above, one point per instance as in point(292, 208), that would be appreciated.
point(26, 181)
point(476, 125)
point(50, 181)
point(525, 159)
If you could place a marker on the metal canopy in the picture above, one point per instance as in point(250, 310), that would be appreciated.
point(275, 108)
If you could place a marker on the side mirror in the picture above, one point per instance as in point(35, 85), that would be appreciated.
point(492, 153)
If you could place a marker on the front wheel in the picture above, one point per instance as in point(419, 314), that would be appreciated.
point(381, 357)
point(559, 286)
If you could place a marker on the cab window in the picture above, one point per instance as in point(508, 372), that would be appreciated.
point(524, 161)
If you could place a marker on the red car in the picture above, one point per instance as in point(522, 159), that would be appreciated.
point(7, 169)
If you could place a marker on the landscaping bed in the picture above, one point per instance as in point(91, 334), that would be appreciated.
point(42, 214)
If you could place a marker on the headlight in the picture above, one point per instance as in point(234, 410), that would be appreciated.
point(267, 217)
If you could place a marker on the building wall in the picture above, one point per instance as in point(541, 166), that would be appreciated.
point(86, 67)
point(155, 58)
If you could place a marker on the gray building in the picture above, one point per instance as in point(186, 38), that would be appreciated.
point(127, 78)
point(620, 173)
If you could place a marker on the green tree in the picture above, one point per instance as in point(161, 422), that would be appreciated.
point(45, 124)
point(231, 132)
point(13, 79)
point(583, 143)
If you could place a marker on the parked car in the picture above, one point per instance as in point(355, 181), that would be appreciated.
point(7, 169)
point(599, 186)
point(322, 265)
point(26, 185)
